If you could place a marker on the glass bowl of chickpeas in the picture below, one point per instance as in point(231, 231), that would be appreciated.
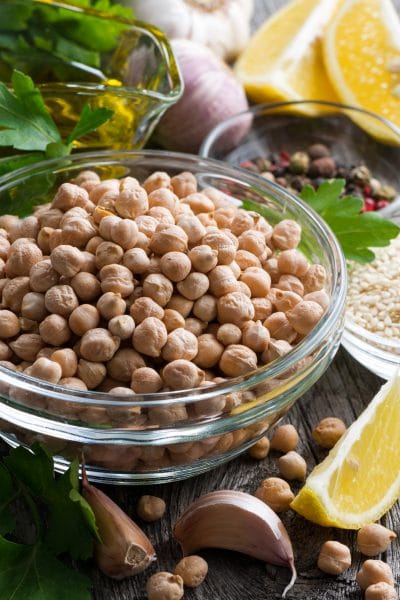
point(159, 311)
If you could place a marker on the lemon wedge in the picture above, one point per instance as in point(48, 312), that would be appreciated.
point(361, 47)
point(284, 60)
point(359, 480)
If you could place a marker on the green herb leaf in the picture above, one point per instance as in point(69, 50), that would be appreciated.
point(34, 468)
point(24, 116)
point(7, 494)
point(33, 573)
point(11, 163)
point(89, 120)
point(356, 232)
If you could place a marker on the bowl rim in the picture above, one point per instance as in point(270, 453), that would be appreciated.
point(309, 344)
point(258, 109)
point(159, 39)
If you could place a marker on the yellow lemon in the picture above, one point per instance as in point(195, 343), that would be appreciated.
point(359, 480)
point(283, 60)
point(362, 56)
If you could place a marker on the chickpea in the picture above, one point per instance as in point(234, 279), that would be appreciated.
point(286, 235)
point(9, 324)
point(255, 336)
point(8, 222)
point(193, 228)
point(181, 304)
point(98, 345)
point(54, 239)
point(223, 244)
point(172, 319)
point(276, 493)
point(228, 333)
point(144, 307)
point(193, 570)
point(128, 183)
point(180, 344)
point(84, 176)
point(328, 432)
point(184, 184)
point(157, 215)
point(76, 212)
point(320, 297)
point(124, 233)
point(182, 374)
point(109, 186)
point(290, 283)
point(237, 360)
point(164, 198)
point(195, 326)
point(171, 238)
point(293, 262)
point(292, 466)
point(54, 330)
point(88, 262)
point(69, 195)
point(146, 381)
point(246, 260)
point(235, 308)
point(205, 308)
point(271, 267)
point(374, 539)
point(86, 286)
point(150, 336)
point(124, 362)
point(242, 221)
point(285, 438)
point(262, 308)
point(132, 202)
point(374, 571)
point(279, 327)
point(164, 586)
point(108, 253)
point(151, 508)
point(21, 258)
point(380, 591)
point(27, 345)
point(105, 227)
point(33, 306)
point(121, 326)
point(156, 180)
point(91, 373)
point(110, 305)
point(284, 301)
point(84, 318)
point(276, 349)
point(314, 279)
point(136, 260)
point(209, 351)
point(66, 260)
point(117, 279)
point(175, 265)
point(154, 266)
point(252, 241)
point(14, 292)
point(158, 288)
point(334, 558)
point(304, 316)
point(260, 449)
point(77, 231)
point(222, 281)
point(194, 286)
point(67, 360)
point(61, 300)
point(258, 281)
point(46, 369)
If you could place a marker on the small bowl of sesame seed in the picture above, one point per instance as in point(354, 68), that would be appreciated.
point(372, 324)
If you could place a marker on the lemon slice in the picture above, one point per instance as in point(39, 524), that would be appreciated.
point(283, 60)
point(359, 480)
point(360, 44)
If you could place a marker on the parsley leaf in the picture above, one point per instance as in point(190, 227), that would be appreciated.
point(356, 232)
point(32, 572)
point(7, 494)
point(89, 120)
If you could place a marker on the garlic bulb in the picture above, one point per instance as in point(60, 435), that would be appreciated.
point(212, 93)
point(222, 25)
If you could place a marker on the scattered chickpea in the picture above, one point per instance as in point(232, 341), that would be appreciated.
point(61, 300)
point(46, 369)
point(144, 307)
point(175, 266)
point(164, 586)
point(235, 308)
point(84, 318)
point(98, 345)
point(193, 570)
point(380, 591)
point(292, 466)
point(260, 449)
point(334, 558)
point(150, 336)
point(255, 336)
point(67, 360)
point(304, 315)
point(121, 326)
point(374, 538)
point(136, 260)
point(182, 374)
point(193, 286)
point(285, 438)
point(258, 280)
point(86, 286)
point(66, 260)
point(55, 330)
point(150, 508)
point(209, 351)
point(91, 373)
point(286, 234)
point(328, 432)
point(228, 333)
point(27, 345)
point(374, 571)
point(111, 305)
point(195, 326)
point(9, 324)
point(203, 258)
point(173, 319)
point(237, 360)
point(158, 287)
point(276, 493)
point(146, 381)
point(180, 344)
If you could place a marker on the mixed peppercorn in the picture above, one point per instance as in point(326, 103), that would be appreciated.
point(316, 165)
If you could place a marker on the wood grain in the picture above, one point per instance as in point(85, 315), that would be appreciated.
point(344, 390)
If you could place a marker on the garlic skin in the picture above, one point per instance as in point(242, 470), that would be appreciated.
point(212, 93)
point(236, 521)
point(222, 25)
point(125, 549)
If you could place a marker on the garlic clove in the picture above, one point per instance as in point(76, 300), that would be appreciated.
point(236, 521)
point(125, 549)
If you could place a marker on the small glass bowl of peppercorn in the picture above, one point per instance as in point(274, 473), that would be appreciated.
point(306, 143)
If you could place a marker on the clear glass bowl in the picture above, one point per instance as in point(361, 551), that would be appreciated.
point(134, 74)
point(293, 126)
point(167, 436)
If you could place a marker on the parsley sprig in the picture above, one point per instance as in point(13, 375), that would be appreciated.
point(64, 525)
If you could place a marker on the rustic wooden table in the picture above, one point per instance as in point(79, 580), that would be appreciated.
point(344, 391)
